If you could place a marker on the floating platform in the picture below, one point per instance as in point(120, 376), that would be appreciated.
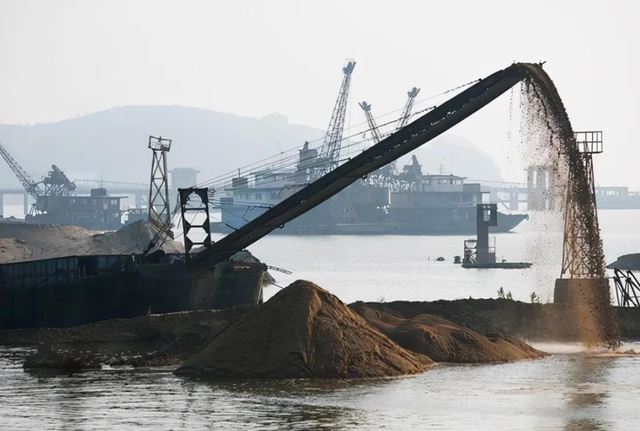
point(498, 265)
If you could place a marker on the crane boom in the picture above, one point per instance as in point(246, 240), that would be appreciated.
point(405, 140)
point(373, 127)
point(333, 139)
point(404, 119)
point(25, 179)
point(384, 176)
point(408, 107)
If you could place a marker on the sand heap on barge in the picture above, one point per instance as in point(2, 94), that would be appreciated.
point(30, 241)
point(303, 331)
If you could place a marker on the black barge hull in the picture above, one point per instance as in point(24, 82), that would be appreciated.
point(71, 291)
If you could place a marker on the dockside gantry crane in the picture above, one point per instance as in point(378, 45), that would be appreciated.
point(56, 183)
point(373, 127)
point(408, 107)
point(390, 170)
point(404, 120)
point(330, 153)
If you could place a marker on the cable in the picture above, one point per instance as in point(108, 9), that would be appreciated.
point(349, 128)
point(292, 162)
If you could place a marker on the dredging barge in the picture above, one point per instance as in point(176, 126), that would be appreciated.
point(75, 290)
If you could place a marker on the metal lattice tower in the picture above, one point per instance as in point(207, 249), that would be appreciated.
point(159, 211)
point(576, 262)
point(333, 139)
point(195, 201)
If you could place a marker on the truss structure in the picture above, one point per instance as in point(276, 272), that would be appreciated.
point(627, 288)
point(580, 212)
point(195, 202)
point(159, 210)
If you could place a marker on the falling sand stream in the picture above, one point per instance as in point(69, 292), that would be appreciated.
point(550, 141)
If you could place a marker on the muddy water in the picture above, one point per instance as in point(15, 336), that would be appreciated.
point(573, 391)
point(568, 390)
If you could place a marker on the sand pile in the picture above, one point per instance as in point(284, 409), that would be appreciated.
point(26, 241)
point(303, 331)
point(445, 341)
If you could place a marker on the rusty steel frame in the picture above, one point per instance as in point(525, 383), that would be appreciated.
point(576, 244)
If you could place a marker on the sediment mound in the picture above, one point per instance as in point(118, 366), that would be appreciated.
point(303, 331)
point(27, 241)
point(153, 340)
point(445, 341)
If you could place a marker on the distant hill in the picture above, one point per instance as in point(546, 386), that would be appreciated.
point(113, 144)
point(454, 154)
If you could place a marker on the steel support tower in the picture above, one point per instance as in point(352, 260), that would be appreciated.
point(159, 210)
point(195, 201)
point(576, 261)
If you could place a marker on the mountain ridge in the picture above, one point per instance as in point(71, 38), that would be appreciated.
point(112, 144)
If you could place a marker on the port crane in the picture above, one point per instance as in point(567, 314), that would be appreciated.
point(56, 183)
point(408, 108)
point(373, 127)
point(329, 156)
point(388, 176)
point(404, 120)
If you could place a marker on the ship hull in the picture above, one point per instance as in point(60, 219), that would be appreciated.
point(449, 221)
point(425, 222)
point(71, 291)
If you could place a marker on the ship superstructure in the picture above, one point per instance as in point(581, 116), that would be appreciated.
point(56, 200)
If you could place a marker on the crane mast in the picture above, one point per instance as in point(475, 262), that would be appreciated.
point(408, 107)
point(375, 133)
point(382, 177)
point(404, 120)
point(25, 179)
point(333, 139)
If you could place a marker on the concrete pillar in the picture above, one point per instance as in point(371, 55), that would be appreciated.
point(514, 201)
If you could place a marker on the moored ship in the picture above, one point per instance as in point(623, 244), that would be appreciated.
point(427, 205)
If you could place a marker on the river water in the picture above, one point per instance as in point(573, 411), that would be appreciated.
point(571, 389)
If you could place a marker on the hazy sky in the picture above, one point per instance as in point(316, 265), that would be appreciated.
point(60, 59)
